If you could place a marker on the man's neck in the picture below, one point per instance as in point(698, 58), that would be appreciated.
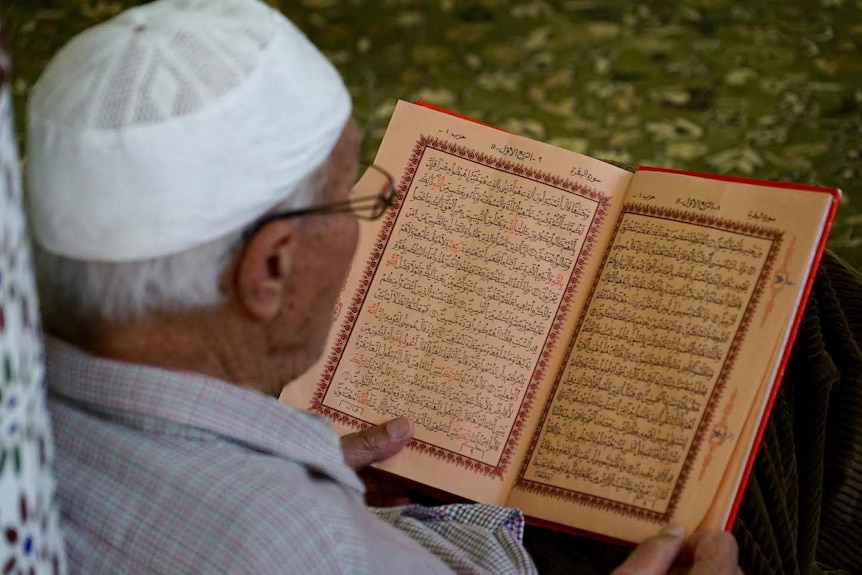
point(203, 342)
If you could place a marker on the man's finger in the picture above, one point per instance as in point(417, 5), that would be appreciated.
point(655, 555)
point(715, 553)
point(376, 443)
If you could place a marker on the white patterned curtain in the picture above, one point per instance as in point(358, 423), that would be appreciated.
point(30, 541)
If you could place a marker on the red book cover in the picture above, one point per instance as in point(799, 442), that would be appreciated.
point(758, 425)
point(836, 198)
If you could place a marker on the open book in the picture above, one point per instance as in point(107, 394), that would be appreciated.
point(597, 348)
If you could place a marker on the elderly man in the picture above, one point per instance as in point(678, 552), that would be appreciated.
point(175, 154)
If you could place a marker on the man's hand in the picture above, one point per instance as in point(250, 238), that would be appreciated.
point(709, 552)
point(376, 443)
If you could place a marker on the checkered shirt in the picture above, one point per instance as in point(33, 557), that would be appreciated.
point(162, 472)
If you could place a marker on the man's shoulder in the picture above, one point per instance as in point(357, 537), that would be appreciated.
point(270, 515)
point(198, 505)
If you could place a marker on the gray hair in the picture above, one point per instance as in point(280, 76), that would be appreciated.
point(100, 291)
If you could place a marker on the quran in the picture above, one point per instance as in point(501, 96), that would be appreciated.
point(596, 347)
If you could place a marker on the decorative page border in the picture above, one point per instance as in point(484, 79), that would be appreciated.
point(512, 168)
point(632, 511)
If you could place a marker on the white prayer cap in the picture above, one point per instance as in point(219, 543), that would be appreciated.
point(173, 124)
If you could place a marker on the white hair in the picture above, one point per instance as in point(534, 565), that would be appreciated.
point(88, 290)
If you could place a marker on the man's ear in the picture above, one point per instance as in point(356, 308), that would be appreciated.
point(262, 268)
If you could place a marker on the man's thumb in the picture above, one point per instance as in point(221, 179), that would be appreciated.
point(376, 443)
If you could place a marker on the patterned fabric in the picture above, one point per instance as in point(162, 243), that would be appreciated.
point(474, 522)
point(30, 539)
point(168, 472)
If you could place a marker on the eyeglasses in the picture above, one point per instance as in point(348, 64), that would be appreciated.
point(363, 207)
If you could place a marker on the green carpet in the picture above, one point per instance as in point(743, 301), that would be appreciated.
point(764, 89)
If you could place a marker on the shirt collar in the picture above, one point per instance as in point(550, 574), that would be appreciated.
point(187, 404)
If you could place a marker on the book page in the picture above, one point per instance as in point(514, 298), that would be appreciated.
point(672, 351)
point(457, 305)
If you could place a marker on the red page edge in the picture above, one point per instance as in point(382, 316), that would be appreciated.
point(835, 192)
point(815, 264)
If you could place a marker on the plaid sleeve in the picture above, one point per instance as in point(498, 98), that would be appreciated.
point(468, 538)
